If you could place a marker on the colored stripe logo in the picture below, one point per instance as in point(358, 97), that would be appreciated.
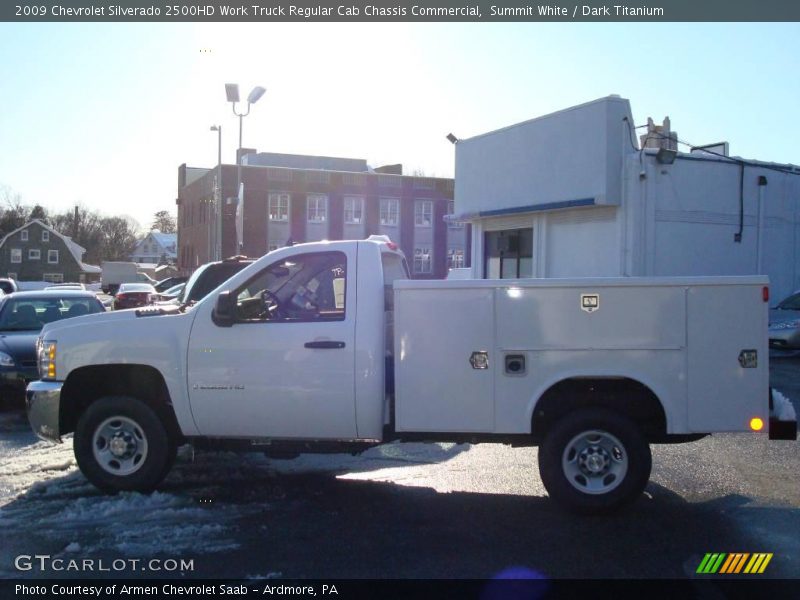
point(734, 563)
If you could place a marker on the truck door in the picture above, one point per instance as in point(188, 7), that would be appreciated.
point(286, 366)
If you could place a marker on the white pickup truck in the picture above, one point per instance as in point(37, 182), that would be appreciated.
point(328, 346)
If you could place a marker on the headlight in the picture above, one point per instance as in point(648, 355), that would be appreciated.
point(47, 358)
point(6, 360)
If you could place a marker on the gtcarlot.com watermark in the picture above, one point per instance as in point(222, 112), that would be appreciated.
point(44, 563)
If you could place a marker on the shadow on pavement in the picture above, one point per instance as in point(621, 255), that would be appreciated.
point(314, 525)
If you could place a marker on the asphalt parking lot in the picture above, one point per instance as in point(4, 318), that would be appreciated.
point(404, 511)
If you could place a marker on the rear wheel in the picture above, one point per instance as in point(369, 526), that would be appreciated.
point(121, 444)
point(594, 461)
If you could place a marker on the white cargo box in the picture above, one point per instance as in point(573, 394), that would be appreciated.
point(683, 338)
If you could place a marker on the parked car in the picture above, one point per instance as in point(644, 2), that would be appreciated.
point(134, 295)
point(208, 277)
point(22, 316)
point(169, 282)
point(784, 324)
point(66, 286)
point(8, 286)
point(172, 293)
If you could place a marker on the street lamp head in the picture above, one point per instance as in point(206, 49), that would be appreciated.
point(232, 92)
point(256, 94)
point(216, 127)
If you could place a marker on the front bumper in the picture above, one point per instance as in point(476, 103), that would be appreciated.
point(17, 378)
point(42, 400)
point(785, 338)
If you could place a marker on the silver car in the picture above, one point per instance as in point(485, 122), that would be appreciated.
point(784, 323)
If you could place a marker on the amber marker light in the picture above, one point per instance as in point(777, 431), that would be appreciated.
point(756, 424)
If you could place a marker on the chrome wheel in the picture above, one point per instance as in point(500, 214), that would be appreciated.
point(595, 462)
point(119, 445)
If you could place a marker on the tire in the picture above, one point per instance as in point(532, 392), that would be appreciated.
point(120, 444)
point(594, 461)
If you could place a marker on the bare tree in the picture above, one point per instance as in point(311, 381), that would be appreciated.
point(13, 213)
point(119, 237)
point(164, 222)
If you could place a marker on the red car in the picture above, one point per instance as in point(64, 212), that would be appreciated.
point(134, 295)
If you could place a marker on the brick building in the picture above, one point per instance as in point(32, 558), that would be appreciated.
point(306, 198)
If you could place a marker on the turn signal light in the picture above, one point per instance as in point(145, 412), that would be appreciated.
point(756, 424)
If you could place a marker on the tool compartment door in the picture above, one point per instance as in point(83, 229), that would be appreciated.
point(725, 320)
point(437, 330)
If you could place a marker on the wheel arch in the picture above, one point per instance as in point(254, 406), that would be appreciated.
point(624, 395)
point(85, 385)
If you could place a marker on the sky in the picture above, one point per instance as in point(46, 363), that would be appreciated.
point(102, 115)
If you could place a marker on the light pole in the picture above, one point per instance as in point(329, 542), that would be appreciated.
point(218, 197)
point(232, 92)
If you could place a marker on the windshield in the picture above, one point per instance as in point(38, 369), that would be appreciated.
point(791, 303)
point(31, 314)
point(192, 280)
point(209, 277)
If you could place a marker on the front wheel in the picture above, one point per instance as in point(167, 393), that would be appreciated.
point(594, 461)
point(121, 444)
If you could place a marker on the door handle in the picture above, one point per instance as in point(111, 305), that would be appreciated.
point(326, 345)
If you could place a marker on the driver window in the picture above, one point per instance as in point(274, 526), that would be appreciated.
point(308, 287)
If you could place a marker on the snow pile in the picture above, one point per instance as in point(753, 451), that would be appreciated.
point(26, 465)
point(782, 407)
point(42, 490)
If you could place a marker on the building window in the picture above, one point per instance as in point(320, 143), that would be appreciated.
point(317, 176)
point(508, 254)
point(390, 209)
point(422, 260)
point(52, 257)
point(455, 259)
point(423, 213)
point(23, 235)
point(53, 277)
point(317, 208)
point(16, 255)
point(353, 210)
point(279, 207)
point(45, 235)
point(451, 209)
point(34, 254)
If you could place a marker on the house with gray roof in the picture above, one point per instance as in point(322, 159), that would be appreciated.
point(156, 247)
point(37, 252)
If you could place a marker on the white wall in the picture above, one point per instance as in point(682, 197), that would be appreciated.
point(574, 154)
point(678, 219)
point(582, 243)
point(686, 215)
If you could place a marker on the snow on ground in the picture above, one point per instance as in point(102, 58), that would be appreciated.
point(43, 493)
point(45, 502)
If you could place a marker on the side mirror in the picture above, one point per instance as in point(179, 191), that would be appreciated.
point(224, 312)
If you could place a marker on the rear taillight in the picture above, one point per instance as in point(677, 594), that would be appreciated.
point(765, 293)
